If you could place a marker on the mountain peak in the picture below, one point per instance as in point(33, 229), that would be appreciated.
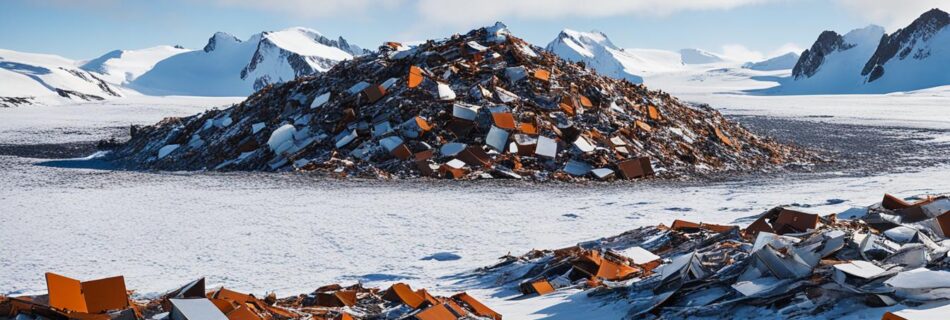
point(301, 40)
point(230, 67)
point(868, 60)
point(905, 41)
point(934, 13)
point(218, 38)
point(829, 42)
point(596, 51)
point(588, 38)
point(869, 34)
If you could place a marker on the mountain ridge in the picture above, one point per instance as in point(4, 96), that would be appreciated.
point(868, 60)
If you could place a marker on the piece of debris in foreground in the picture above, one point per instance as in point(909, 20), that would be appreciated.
point(787, 264)
point(108, 299)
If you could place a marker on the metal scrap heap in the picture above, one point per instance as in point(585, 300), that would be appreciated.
point(481, 105)
point(108, 299)
point(789, 263)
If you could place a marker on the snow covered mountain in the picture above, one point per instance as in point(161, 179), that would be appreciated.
point(917, 56)
point(836, 55)
point(597, 52)
point(699, 56)
point(230, 67)
point(29, 78)
point(869, 61)
point(683, 71)
point(123, 66)
point(782, 62)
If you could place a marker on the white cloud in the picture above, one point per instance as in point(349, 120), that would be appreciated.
point(467, 12)
point(785, 48)
point(486, 11)
point(892, 14)
point(738, 52)
point(313, 8)
point(741, 53)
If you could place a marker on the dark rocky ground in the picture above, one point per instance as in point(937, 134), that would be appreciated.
point(854, 150)
point(858, 149)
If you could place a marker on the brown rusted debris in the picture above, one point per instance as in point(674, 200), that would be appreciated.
point(797, 264)
point(537, 117)
point(107, 299)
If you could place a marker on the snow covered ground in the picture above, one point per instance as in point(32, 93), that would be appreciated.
point(916, 109)
point(96, 120)
point(291, 233)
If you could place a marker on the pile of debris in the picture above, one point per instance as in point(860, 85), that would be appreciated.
point(108, 299)
point(790, 263)
point(481, 105)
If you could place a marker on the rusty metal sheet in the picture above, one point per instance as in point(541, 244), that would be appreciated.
point(428, 297)
point(528, 128)
point(723, 138)
point(477, 307)
point(475, 156)
point(437, 312)
point(454, 169)
point(65, 293)
point(374, 93)
point(653, 113)
point(105, 294)
point(401, 292)
point(635, 168)
point(891, 202)
point(791, 221)
point(943, 221)
point(643, 126)
point(542, 287)
point(243, 312)
point(585, 102)
point(402, 152)
point(415, 76)
point(542, 74)
point(504, 120)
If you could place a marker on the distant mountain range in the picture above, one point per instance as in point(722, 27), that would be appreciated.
point(868, 60)
point(597, 51)
point(864, 60)
point(226, 66)
point(28, 78)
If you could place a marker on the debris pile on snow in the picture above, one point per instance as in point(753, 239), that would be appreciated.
point(790, 263)
point(108, 299)
point(481, 105)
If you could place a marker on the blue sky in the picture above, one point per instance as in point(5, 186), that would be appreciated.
point(83, 29)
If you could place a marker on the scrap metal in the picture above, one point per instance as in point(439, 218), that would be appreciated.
point(520, 112)
point(788, 263)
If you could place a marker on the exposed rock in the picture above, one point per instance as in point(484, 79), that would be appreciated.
point(904, 42)
point(811, 59)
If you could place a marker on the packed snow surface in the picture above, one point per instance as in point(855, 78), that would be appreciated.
point(292, 233)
